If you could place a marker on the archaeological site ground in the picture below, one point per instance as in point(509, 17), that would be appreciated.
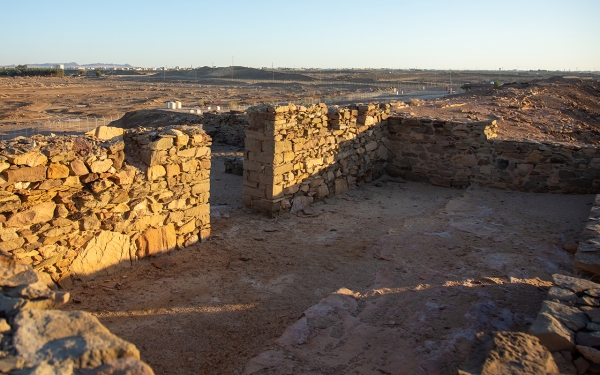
point(317, 222)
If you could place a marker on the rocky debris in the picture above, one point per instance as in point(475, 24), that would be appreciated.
point(228, 128)
point(587, 257)
point(313, 152)
point(497, 353)
point(568, 322)
point(234, 165)
point(74, 207)
point(35, 340)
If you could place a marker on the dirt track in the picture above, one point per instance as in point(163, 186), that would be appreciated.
point(424, 267)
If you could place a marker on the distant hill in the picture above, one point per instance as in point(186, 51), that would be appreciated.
point(74, 65)
point(238, 72)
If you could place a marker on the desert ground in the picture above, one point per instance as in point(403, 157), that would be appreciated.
point(393, 278)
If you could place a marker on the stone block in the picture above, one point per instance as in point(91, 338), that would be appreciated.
point(163, 143)
point(78, 167)
point(100, 166)
point(40, 213)
point(156, 171)
point(103, 254)
point(155, 241)
point(25, 174)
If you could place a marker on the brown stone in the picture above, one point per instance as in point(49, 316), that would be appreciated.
point(25, 174)
point(515, 353)
point(162, 143)
point(57, 171)
point(155, 172)
point(155, 241)
point(37, 214)
point(103, 254)
point(30, 159)
point(79, 168)
point(100, 166)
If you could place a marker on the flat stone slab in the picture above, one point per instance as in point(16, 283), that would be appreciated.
point(67, 338)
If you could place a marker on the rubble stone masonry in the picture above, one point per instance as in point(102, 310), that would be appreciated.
point(296, 154)
point(77, 206)
point(460, 153)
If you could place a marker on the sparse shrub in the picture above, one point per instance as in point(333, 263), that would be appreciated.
point(233, 104)
point(496, 84)
point(201, 102)
point(81, 72)
point(98, 72)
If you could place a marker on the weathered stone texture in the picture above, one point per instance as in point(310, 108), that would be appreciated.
point(74, 207)
point(294, 152)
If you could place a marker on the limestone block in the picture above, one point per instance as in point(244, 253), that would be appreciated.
point(72, 338)
point(126, 176)
point(25, 174)
point(552, 333)
point(172, 170)
point(37, 214)
point(202, 152)
point(203, 187)
point(155, 241)
point(188, 153)
point(103, 254)
point(30, 159)
point(197, 211)
point(188, 227)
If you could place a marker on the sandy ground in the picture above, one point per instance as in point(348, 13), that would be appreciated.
point(390, 279)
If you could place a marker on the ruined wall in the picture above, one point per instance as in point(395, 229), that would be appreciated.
point(456, 153)
point(297, 154)
point(73, 206)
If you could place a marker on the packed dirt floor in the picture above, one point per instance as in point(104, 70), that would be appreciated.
point(393, 278)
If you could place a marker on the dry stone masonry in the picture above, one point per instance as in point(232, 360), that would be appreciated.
point(297, 154)
point(587, 257)
point(568, 324)
point(460, 153)
point(36, 340)
point(76, 206)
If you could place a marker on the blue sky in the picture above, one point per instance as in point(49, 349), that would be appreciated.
point(428, 34)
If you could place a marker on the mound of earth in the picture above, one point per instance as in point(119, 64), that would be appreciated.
point(556, 109)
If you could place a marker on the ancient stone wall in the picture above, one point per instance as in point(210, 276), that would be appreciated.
point(297, 154)
point(76, 206)
point(460, 153)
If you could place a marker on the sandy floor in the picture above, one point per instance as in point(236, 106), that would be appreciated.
point(418, 270)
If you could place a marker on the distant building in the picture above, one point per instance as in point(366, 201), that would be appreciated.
point(59, 66)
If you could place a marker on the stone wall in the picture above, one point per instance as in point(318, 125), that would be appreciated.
point(297, 154)
point(75, 206)
point(457, 153)
point(587, 257)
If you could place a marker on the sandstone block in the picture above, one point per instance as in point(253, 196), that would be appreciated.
point(155, 241)
point(25, 174)
point(107, 133)
point(9, 201)
point(57, 171)
point(100, 166)
point(40, 213)
point(155, 172)
point(103, 254)
point(163, 143)
point(30, 159)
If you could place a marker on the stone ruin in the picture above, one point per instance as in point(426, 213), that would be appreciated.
point(74, 207)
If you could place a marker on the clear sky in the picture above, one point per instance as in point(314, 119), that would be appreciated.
point(427, 34)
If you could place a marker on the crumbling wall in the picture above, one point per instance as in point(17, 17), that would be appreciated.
point(76, 206)
point(460, 153)
point(297, 154)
